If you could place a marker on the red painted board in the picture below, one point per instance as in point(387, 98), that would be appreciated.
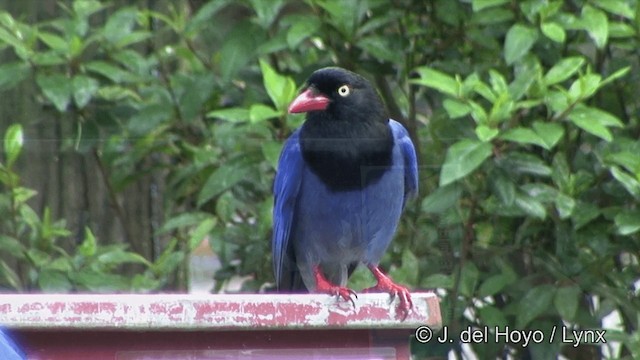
point(239, 326)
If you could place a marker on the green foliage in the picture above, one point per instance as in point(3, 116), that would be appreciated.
point(524, 114)
point(32, 241)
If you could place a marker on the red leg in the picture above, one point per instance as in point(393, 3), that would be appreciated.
point(385, 284)
point(323, 285)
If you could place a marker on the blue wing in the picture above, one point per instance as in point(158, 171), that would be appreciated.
point(402, 139)
point(285, 189)
point(9, 350)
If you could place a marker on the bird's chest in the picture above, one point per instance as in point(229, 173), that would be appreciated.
point(342, 224)
point(346, 159)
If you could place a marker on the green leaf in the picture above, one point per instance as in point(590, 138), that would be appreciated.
point(494, 284)
point(534, 303)
point(361, 278)
point(437, 80)
point(503, 187)
point(492, 317)
point(566, 301)
point(558, 101)
point(84, 88)
point(149, 117)
point(456, 109)
point(57, 88)
point(261, 112)
point(110, 71)
point(493, 16)
point(478, 5)
point(17, 43)
point(596, 24)
point(485, 133)
point(437, 281)
point(85, 8)
point(407, 273)
point(553, 31)
point(13, 140)
point(549, 132)
point(442, 199)
point(54, 281)
point(629, 182)
point(469, 279)
point(524, 163)
point(630, 160)
point(198, 91)
point(594, 121)
point(63, 264)
point(239, 48)
point(223, 178)
point(120, 24)
point(302, 28)
point(188, 219)
point(524, 136)
point(565, 205)
point(12, 73)
point(621, 30)
point(616, 75)
point(22, 194)
point(563, 70)
point(99, 281)
point(266, 11)
point(281, 89)
point(583, 214)
point(474, 83)
point(117, 93)
point(498, 82)
point(518, 42)
point(463, 158)
point(344, 15)
point(11, 278)
point(271, 151)
point(12, 246)
point(617, 7)
point(591, 125)
point(204, 16)
point(89, 245)
point(378, 47)
point(528, 73)
point(585, 86)
point(54, 42)
point(200, 232)
point(231, 114)
point(132, 38)
point(118, 256)
point(628, 222)
point(484, 232)
point(531, 206)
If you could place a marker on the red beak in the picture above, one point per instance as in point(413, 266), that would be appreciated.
point(309, 100)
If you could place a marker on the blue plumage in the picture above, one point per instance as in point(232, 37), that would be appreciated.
point(9, 350)
point(343, 180)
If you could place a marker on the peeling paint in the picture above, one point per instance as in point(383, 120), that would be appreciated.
point(201, 311)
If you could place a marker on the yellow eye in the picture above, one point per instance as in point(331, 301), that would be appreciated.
point(344, 90)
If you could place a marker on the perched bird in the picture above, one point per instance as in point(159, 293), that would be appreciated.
point(343, 180)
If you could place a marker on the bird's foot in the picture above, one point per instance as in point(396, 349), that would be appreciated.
point(385, 284)
point(324, 286)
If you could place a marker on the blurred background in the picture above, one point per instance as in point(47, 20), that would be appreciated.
point(141, 140)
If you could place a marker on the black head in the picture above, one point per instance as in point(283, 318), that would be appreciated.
point(341, 95)
point(346, 140)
